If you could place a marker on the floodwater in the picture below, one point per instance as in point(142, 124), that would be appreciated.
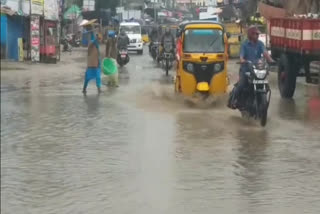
point(140, 149)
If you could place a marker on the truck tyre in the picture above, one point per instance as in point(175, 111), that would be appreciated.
point(307, 71)
point(287, 76)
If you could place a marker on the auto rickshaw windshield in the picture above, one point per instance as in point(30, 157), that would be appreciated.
point(203, 41)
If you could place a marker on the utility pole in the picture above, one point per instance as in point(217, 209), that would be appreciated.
point(155, 11)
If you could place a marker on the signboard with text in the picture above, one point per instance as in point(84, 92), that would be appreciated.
point(35, 38)
point(37, 7)
point(51, 10)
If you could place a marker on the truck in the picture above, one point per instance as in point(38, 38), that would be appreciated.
point(295, 43)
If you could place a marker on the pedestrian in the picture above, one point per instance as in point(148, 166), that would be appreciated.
point(93, 63)
point(111, 45)
point(112, 52)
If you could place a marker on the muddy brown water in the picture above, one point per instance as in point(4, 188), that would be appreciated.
point(141, 149)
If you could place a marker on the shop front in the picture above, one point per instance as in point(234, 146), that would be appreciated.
point(49, 41)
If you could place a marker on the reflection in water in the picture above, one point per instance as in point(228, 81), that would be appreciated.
point(92, 102)
point(250, 163)
point(288, 109)
point(313, 105)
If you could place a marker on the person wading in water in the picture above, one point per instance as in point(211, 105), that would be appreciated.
point(93, 70)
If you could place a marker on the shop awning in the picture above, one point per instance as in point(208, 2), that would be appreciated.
point(8, 11)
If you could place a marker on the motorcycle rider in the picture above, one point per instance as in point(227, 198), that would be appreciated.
point(251, 50)
point(123, 40)
point(154, 36)
point(167, 38)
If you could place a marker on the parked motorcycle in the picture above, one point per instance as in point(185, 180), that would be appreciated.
point(123, 57)
point(76, 42)
point(254, 100)
point(67, 47)
point(73, 40)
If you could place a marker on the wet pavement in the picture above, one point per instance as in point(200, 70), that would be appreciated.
point(140, 149)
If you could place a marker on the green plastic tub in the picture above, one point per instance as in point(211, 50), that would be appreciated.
point(109, 66)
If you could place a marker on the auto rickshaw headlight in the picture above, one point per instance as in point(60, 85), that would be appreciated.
point(218, 67)
point(190, 67)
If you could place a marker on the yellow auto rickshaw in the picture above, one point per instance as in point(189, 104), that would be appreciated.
point(202, 67)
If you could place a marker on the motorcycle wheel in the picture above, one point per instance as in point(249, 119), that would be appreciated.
point(120, 63)
point(167, 67)
point(263, 109)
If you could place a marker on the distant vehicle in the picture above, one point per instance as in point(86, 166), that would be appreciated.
point(209, 13)
point(167, 59)
point(133, 30)
point(154, 52)
point(206, 16)
point(123, 57)
point(66, 42)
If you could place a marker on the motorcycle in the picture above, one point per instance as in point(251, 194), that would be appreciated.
point(67, 47)
point(167, 58)
point(76, 42)
point(254, 100)
point(154, 50)
point(73, 40)
point(123, 57)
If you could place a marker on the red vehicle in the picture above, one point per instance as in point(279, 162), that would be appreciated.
point(48, 45)
point(296, 43)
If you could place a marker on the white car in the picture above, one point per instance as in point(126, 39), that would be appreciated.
point(133, 30)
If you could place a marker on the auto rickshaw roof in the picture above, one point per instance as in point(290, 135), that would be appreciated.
point(183, 25)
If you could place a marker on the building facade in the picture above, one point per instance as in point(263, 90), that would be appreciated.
point(23, 25)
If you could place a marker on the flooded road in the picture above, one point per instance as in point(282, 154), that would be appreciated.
point(139, 149)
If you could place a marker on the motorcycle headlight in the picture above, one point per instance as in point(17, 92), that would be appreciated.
point(260, 74)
